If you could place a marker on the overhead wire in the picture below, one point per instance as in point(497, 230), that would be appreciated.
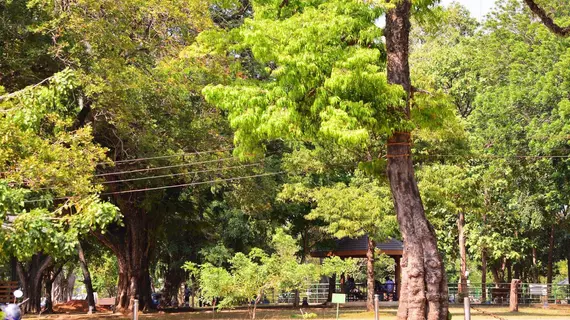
point(169, 175)
point(167, 186)
point(155, 158)
point(163, 167)
point(164, 157)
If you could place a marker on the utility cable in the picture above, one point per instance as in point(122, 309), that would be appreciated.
point(168, 175)
point(168, 186)
point(164, 157)
point(163, 167)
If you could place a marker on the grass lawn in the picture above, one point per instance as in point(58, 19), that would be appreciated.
point(525, 313)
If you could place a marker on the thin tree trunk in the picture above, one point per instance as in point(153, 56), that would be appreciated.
point(332, 284)
point(49, 279)
point(422, 268)
point(484, 275)
point(13, 269)
point(370, 274)
point(49, 301)
point(463, 291)
point(86, 278)
point(534, 266)
point(568, 263)
point(257, 299)
point(550, 256)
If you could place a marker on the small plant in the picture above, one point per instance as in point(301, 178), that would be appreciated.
point(304, 315)
point(309, 315)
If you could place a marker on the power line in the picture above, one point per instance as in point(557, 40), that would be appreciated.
point(156, 157)
point(194, 183)
point(181, 174)
point(163, 167)
point(170, 186)
point(164, 157)
point(168, 175)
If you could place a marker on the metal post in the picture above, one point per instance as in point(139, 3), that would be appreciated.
point(338, 304)
point(467, 307)
point(136, 309)
point(376, 303)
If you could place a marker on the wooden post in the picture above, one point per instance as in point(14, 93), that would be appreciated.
point(514, 296)
point(398, 276)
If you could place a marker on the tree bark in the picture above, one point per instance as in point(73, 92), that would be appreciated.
point(463, 291)
point(332, 286)
point(484, 275)
point(172, 281)
point(63, 286)
point(568, 263)
point(546, 20)
point(534, 266)
point(131, 244)
point(550, 256)
point(49, 279)
point(370, 274)
point(424, 287)
point(31, 280)
point(86, 278)
point(514, 296)
point(13, 269)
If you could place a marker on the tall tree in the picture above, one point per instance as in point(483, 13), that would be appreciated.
point(140, 106)
point(326, 79)
point(49, 196)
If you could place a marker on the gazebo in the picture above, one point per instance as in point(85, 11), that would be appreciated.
point(356, 248)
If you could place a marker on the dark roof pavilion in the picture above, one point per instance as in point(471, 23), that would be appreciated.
point(356, 248)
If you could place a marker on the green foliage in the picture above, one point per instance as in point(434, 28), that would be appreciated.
point(362, 207)
point(105, 274)
point(45, 160)
point(336, 265)
point(251, 275)
point(323, 81)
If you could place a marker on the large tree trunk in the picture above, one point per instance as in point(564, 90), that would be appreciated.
point(424, 287)
point(132, 246)
point(370, 274)
point(463, 291)
point(31, 280)
point(86, 278)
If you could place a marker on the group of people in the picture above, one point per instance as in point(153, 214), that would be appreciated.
point(386, 290)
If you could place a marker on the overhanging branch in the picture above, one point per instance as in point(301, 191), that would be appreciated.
point(547, 20)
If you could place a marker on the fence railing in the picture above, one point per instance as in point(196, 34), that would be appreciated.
point(497, 294)
point(528, 293)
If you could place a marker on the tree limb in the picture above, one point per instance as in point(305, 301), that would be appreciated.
point(546, 20)
point(15, 93)
point(418, 90)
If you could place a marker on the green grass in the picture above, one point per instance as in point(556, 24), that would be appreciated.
point(525, 313)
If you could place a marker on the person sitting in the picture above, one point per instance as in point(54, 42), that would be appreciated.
point(350, 285)
point(389, 288)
